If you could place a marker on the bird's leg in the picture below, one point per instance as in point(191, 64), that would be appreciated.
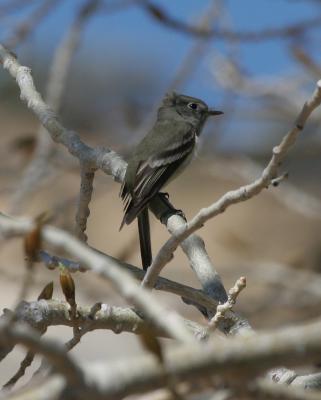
point(163, 208)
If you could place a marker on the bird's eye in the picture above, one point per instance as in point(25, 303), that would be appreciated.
point(193, 106)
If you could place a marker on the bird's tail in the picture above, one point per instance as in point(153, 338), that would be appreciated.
point(144, 238)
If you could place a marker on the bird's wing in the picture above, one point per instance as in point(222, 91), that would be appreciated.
point(152, 174)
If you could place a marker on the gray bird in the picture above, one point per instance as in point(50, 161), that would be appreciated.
point(163, 153)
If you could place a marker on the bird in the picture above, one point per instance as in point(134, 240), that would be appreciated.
point(159, 157)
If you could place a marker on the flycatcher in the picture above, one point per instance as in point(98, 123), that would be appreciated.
point(163, 153)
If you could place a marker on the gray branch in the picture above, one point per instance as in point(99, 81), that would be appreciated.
point(38, 168)
point(104, 159)
point(42, 314)
point(165, 319)
point(251, 355)
point(83, 211)
point(189, 294)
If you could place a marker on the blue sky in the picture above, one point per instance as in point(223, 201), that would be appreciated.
point(132, 36)
point(130, 40)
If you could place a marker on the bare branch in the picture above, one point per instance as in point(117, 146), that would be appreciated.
point(250, 355)
point(25, 363)
point(265, 389)
point(13, 5)
point(104, 159)
point(39, 389)
point(301, 55)
point(44, 313)
point(189, 294)
point(86, 189)
point(40, 165)
point(208, 18)
point(161, 16)
point(292, 196)
point(167, 320)
point(232, 324)
point(227, 306)
point(24, 28)
point(56, 354)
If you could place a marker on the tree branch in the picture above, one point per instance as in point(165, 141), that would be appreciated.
point(104, 159)
point(44, 313)
point(83, 211)
point(167, 320)
point(189, 294)
point(238, 358)
point(45, 150)
point(161, 16)
point(24, 28)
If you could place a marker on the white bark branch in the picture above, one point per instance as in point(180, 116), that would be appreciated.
point(104, 159)
point(264, 390)
point(291, 196)
point(165, 319)
point(222, 309)
point(44, 313)
point(251, 356)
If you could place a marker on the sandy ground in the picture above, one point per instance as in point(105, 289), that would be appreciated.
point(245, 240)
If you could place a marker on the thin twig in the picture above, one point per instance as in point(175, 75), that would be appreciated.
point(12, 5)
point(83, 211)
point(160, 15)
point(24, 335)
point(24, 28)
point(228, 305)
point(87, 326)
point(292, 196)
point(25, 363)
point(199, 48)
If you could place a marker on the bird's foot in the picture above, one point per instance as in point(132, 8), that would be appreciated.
point(170, 210)
point(164, 195)
point(181, 214)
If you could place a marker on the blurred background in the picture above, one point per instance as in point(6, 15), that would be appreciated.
point(105, 66)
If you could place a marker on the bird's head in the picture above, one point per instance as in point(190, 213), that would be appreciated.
point(193, 110)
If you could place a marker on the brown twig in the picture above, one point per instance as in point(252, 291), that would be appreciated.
point(25, 363)
point(83, 211)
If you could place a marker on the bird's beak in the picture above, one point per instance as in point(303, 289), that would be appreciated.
point(214, 112)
